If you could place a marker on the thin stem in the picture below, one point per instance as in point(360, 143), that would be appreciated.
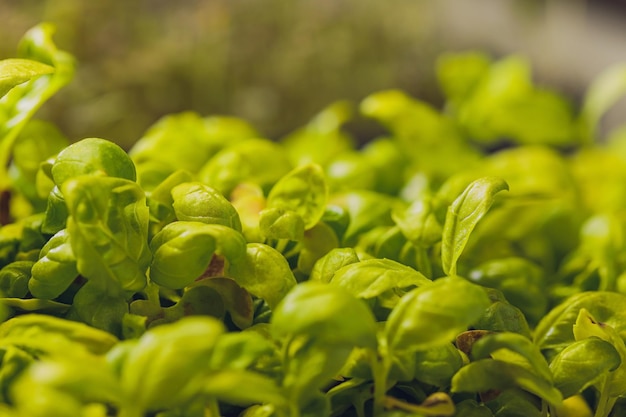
point(605, 402)
point(380, 364)
point(212, 409)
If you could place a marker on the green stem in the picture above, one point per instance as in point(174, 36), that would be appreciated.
point(212, 409)
point(380, 368)
point(605, 402)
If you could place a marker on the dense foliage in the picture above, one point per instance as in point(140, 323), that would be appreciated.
point(470, 263)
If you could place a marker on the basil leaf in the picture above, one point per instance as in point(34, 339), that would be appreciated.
point(489, 374)
point(15, 71)
point(303, 191)
point(263, 272)
point(463, 215)
point(372, 277)
point(343, 320)
point(434, 314)
point(583, 364)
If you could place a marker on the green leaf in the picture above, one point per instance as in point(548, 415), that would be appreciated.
point(325, 313)
point(521, 281)
point(86, 380)
point(601, 95)
point(373, 277)
point(587, 326)
point(194, 201)
point(99, 307)
point(92, 156)
point(108, 228)
point(517, 403)
point(170, 355)
point(183, 250)
point(276, 223)
point(316, 243)
point(436, 366)
point(321, 139)
point(583, 364)
point(489, 374)
point(463, 215)
point(236, 301)
point(14, 279)
point(241, 350)
point(303, 191)
point(432, 315)
point(459, 73)
point(56, 214)
point(38, 142)
point(470, 408)
point(15, 71)
point(56, 268)
point(325, 267)
point(38, 331)
point(555, 330)
point(418, 223)
point(203, 138)
point(263, 272)
point(259, 161)
point(501, 316)
point(160, 199)
point(366, 210)
point(243, 388)
point(526, 353)
point(22, 101)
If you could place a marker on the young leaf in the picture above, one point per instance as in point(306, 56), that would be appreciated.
point(183, 250)
point(587, 326)
point(583, 364)
point(56, 268)
point(87, 379)
point(325, 313)
point(434, 314)
point(372, 277)
point(194, 201)
point(517, 403)
point(171, 355)
point(276, 223)
point(23, 101)
point(303, 191)
point(489, 374)
point(92, 156)
point(325, 267)
point(37, 330)
point(15, 71)
point(14, 279)
point(263, 272)
point(203, 138)
point(436, 366)
point(603, 93)
point(555, 330)
point(108, 225)
point(243, 388)
point(258, 161)
point(316, 242)
point(521, 281)
point(529, 355)
point(463, 215)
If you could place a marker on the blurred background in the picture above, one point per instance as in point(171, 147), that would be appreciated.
point(277, 62)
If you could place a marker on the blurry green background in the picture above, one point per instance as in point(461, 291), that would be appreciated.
point(277, 62)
